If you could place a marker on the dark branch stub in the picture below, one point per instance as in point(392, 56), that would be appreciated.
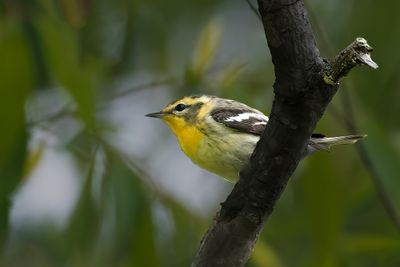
point(357, 53)
point(304, 86)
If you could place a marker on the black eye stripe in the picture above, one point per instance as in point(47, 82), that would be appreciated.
point(180, 107)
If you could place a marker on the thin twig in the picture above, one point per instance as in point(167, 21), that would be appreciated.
point(135, 167)
point(70, 109)
point(369, 163)
point(148, 85)
point(254, 9)
point(67, 109)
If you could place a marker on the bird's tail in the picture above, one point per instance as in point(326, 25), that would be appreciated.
point(325, 143)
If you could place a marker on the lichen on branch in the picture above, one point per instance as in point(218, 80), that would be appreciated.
point(357, 53)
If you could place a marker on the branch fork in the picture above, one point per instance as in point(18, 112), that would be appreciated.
point(301, 97)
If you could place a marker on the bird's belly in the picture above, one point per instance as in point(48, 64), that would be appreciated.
point(226, 156)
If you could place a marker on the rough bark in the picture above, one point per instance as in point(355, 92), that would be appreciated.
point(304, 86)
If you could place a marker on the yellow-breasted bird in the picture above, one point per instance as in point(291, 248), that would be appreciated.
point(220, 134)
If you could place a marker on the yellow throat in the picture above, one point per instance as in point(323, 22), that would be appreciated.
point(189, 136)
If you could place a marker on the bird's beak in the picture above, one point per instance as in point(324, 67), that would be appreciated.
point(159, 115)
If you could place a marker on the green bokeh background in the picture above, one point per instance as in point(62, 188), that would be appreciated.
point(67, 65)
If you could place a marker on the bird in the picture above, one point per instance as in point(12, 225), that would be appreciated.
point(220, 134)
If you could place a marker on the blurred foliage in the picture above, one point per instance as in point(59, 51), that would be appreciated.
point(64, 63)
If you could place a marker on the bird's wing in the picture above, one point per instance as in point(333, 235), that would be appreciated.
point(247, 120)
point(242, 119)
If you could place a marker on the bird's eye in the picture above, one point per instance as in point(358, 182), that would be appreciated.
point(180, 107)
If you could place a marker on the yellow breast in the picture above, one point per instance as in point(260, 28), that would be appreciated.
point(189, 137)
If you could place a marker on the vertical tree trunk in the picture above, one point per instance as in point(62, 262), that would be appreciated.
point(304, 86)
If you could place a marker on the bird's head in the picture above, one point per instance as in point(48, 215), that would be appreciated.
point(185, 111)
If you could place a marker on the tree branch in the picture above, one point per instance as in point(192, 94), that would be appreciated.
point(359, 52)
point(302, 92)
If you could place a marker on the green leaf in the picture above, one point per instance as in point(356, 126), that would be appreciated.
point(132, 229)
point(63, 54)
point(204, 54)
point(84, 223)
point(323, 204)
point(33, 159)
point(370, 243)
point(228, 76)
point(385, 160)
point(16, 81)
point(264, 256)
